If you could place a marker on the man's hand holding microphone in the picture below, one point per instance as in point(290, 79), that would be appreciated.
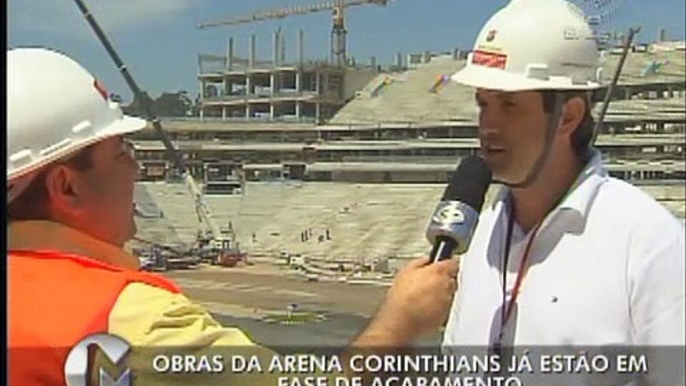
point(419, 300)
point(417, 303)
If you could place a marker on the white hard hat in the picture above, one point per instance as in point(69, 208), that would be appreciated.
point(54, 109)
point(534, 45)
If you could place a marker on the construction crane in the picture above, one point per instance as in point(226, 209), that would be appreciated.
point(222, 248)
point(338, 31)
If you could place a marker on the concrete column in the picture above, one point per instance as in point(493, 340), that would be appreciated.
point(224, 113)
point(229, 55)
point(297, 109)
point(272, 83)
point(298, 81)
point(248, 86)
point(282, 48)
point(247, 111)
point(202, 113)
point(317, 85)
point(252, 51)
point(318, 111)
point(271, 111)
point(301, 47)
point(275, 50)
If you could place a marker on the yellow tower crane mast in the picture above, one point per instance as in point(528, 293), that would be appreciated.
point(338, 30)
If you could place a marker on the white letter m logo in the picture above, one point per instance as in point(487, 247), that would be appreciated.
point(77, 364)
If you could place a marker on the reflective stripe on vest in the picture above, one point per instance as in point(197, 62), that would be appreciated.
point(56, 300)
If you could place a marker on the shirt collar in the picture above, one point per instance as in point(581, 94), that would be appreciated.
point(581, 194)
point(583, 191)
point(52, 236)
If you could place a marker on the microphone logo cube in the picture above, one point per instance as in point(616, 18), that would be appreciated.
point(454, 220)
point(448, 214)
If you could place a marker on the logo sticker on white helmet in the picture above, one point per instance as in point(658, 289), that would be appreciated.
point(491, 35)
point(489, 59)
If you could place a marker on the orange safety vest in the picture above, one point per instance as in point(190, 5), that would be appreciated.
point(55, 300)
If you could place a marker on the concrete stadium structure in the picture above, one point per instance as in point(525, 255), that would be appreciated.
point(372, 173)
point(417, 117)
point(245, 89)
point(365, 221)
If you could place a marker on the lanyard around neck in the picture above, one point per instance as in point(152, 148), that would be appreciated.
point(507, 307)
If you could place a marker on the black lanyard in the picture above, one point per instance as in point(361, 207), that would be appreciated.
point(506, 259)
point(506, 310)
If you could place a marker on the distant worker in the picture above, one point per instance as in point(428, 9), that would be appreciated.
point(71, 176)
point(581, 258)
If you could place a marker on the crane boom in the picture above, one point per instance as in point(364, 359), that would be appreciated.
point(203, 211)
point(281, 13)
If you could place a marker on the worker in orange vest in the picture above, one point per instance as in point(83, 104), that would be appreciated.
point(71, 178)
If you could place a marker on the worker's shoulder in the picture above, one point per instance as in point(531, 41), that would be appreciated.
point(634, 207)
point(152, 280)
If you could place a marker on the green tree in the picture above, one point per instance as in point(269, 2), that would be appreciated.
point(169, 104)
point(136, 108)
point(173, 104)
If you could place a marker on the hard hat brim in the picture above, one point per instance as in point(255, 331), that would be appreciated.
point(124, 125)
point(498, 79)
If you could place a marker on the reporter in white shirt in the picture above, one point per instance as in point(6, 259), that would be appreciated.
point(605, 261)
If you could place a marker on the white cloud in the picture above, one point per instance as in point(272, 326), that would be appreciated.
point(63, 16)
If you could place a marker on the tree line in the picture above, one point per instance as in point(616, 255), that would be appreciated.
point(168, 104)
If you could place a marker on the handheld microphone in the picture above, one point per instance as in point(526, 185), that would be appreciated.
point(456, 216)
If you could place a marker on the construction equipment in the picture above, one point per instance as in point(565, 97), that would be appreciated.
point(221, 247)
point(164, 256)
point(338, 31)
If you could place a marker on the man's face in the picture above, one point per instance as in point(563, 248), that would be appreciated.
point(511, 131)
point(107, 194)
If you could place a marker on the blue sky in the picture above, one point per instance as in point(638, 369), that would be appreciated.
point(158, 40)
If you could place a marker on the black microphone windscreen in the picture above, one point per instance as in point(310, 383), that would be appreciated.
point(469, 183)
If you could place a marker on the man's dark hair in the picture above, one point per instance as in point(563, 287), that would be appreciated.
point(32, 203)
point(582, 136)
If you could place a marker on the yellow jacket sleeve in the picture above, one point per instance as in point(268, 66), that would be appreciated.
point(155, 321)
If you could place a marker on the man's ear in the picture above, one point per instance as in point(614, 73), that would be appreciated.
point(573, 113)
point(63, 186)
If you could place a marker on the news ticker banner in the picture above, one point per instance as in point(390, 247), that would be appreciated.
point(117, 363)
